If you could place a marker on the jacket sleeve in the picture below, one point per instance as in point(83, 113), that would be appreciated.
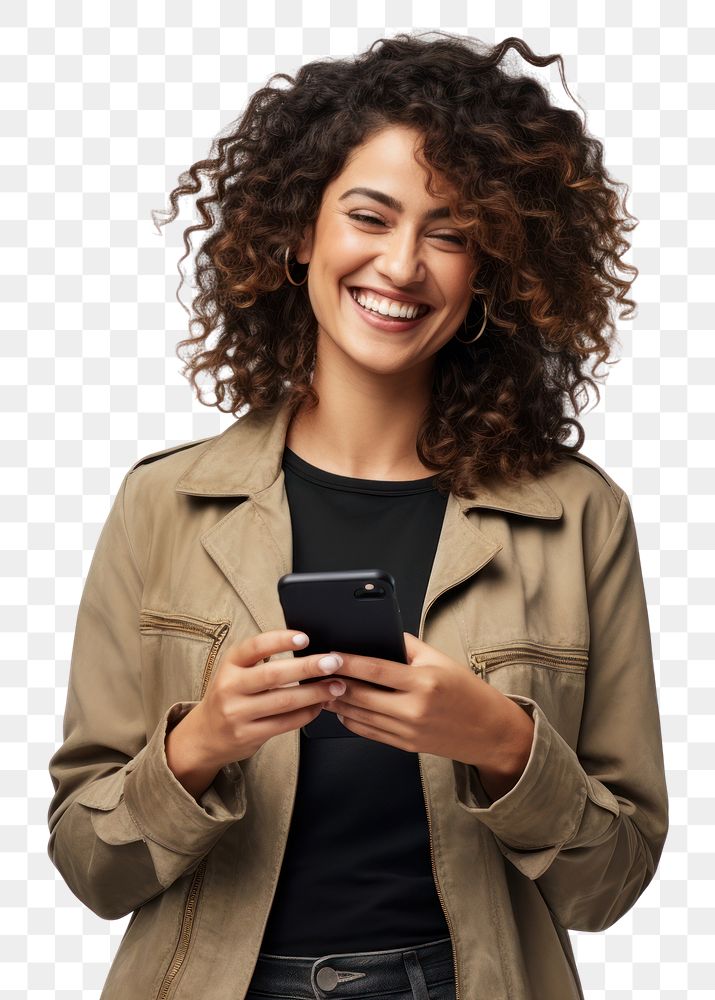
point(122, 827)
point(589, 826)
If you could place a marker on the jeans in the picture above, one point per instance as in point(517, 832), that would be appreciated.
point(422, 972)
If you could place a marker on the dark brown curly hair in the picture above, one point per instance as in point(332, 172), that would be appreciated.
point(539, 213)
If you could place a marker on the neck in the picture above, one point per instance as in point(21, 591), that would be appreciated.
point(365, 425)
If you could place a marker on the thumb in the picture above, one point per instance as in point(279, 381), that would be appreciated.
point(412, 646)
point(421, 653)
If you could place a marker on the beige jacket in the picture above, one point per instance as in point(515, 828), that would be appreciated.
point(536, 588)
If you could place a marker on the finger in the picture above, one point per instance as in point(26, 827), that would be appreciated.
point(274, 670)
point(286, 671)
point(377, 701)
point(257, 652)
point(278, 701)
point(269, 726)
point(386, 673)
point(388, 724)
point(414, 647)
point(248, 652)
point(372, 732)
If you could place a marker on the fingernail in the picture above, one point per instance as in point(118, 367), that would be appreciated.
point(329, 663)
point(301, 639)
point(336, 688)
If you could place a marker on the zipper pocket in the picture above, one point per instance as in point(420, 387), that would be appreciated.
point(571, 659)
point(153, 622)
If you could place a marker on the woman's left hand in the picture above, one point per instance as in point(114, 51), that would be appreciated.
point(436, 707)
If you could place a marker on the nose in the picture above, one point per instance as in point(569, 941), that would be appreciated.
point(400, 262)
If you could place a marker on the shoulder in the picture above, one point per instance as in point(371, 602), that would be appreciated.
point(591, 498)
point(167, 464)
point(147, 497)
point(155, 456)
point(579, 472)
point(149, 486)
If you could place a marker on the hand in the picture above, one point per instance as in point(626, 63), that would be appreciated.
point(248, 701)
point(435, 706)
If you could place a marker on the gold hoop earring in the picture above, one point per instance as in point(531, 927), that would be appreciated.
point(285, 268)
point(484, 323)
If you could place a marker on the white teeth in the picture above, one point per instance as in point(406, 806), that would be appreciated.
point(387, 307)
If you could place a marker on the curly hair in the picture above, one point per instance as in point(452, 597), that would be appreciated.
point(538, 210)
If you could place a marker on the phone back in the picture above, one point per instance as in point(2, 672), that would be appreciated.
point(355, 611)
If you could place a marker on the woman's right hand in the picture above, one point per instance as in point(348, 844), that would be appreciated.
point(246, 702)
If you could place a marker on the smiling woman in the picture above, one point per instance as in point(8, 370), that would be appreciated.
point(411, 259)
point(436, 175)
point(388, 284)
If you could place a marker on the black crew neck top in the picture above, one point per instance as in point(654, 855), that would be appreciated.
point(357, 872)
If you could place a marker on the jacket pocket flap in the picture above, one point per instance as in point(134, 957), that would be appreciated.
point(103, 793)
point(602, 795)
point(116, 827)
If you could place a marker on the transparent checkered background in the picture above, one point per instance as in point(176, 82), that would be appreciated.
point(103, 105)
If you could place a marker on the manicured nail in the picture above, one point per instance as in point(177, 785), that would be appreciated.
point(330, 663)
point(301, 639)
point(336, 688)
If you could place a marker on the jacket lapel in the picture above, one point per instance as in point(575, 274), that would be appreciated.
point(252, 544)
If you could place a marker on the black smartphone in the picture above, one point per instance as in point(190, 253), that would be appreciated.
point(355, 611)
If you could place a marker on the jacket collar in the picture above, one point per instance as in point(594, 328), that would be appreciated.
point(246, 459)
point(252, 544)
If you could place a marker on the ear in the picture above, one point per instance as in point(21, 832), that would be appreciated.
point(304, 250)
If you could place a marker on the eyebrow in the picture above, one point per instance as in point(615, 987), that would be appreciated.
point(393, 203)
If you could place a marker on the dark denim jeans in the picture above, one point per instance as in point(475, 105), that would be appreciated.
point(422, 972)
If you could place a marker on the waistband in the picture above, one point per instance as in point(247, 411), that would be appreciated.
point(357, 973)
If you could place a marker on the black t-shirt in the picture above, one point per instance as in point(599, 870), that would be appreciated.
point(357, 873)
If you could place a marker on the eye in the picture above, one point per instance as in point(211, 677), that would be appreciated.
point(452, 239)
point(366, 218)
point(359, 217)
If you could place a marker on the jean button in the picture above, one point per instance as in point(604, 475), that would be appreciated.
point(327, 978)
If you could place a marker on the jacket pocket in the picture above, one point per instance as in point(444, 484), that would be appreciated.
point(524, 652)
point(185, 670)
point(553, 676)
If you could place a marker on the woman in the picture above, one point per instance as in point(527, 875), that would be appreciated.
point(506, 784)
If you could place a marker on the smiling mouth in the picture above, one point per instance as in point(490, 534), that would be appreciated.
point(370, 304)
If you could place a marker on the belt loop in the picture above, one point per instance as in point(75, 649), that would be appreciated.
point(415, 975)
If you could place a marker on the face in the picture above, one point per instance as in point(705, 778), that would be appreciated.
point(393, 243)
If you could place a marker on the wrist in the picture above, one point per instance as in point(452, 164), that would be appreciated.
point(187, 754)
point(512, 749)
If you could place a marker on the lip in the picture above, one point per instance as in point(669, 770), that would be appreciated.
point(382, 322)
point(398, 296)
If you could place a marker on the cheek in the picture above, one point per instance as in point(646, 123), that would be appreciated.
point(348, 249)
point(457, 284)
point(335, 237)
